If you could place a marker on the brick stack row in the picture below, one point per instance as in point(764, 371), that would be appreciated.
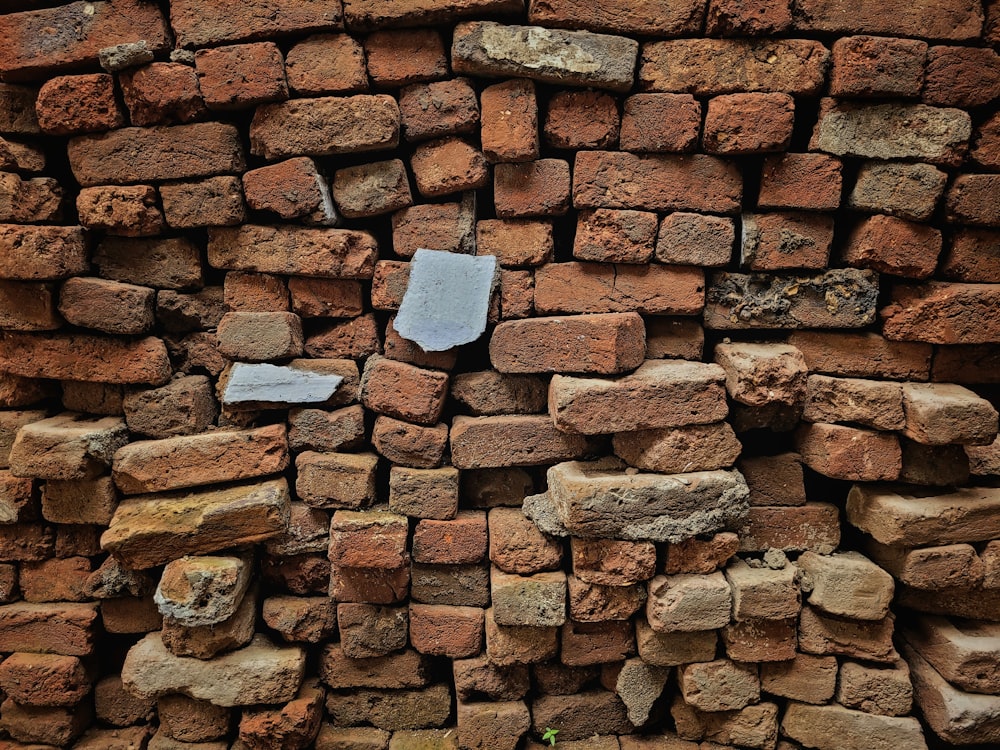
point(712, 470)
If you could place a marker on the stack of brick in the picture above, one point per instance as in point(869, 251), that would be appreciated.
point(725, 443)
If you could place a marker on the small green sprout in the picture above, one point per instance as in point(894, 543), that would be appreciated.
point(550, 736)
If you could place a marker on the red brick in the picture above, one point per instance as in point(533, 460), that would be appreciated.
point(613, 562)
point(942, 313)
point(404, 350)
point(784, 240)
point(585, 643)
point(326, 64)
point(241, 75)
point(592, 602)
point(862, 355)
point(813, 526)
point(985, 149)
point(436, 226)
point(198, 23)
point(68, 105)
point(488, 392)
point(708, 67)
point(944, 413)
point(28, 201)
point(509, 121)
point(517, 294)
point(517, 546)
point(954, 19)
point(33, 48)
point(389, 284)
point(656, 18)
point(871, 66)
point(368, 539)
point(615, 236)
point(56, 580)
point(28, 306)
point(606, 179)
point(399, 58)
point(403, 391)
point(740, 18)
point(657, 123)
point(537, 188)
point(292, 189)
point(514, 440)
point(974, 255)
point(45, 679)
point(849, 453)
point(740, 124)
point(804, 181)
point(154, 154)
point(193, 311)
point(21, 542)
point(301, 575)
point(41, 253)
point(966, 364)
point(302, 251)
point(301, 619)
point(440, 108)
point(325, 126)
point(515, 242)
point(245, 291)
point(371, 189)
point(129, 211)
point(324, 298)
point(409, 444)
point(582, 119)
point(448, 165)
point(477, 678)
point(18, 498)
point(607, 343)
point(216, 201)
point(894, 246)
point(962, 76)
point(67, 629)
point(700, 556)
point(365, 15)
point(78, 356)
point(600, 288)
point(162, 94)
point(20, 156)
point(971, 199)
point(45, 725)
point(440, 630)
point(460, 541)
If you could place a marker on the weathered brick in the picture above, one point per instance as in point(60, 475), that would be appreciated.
point(720, 685)
point(17, 110)
point(870, 403)
point(260, 336)
point(850, 453)
point(581, 119)
point(448, 165)
point(157, 153)
point(436, 226)
point(702, 556)
point(708, 67)
point(371, 189)
point(67, 446)
point(785, 240)
point(484, 48)
point(534, 188)
point(199, 24)
point(241, 75)
point(836, 726)
point(369, 585)
point(962, 76)
point(601, 288)
point(398, 58)
point(337, 253)
point(580, 716)
point(736, 18)
point(21, 157)
point(368, 630)
point(216, 201)
point(941, 313)
point(336, 480)
point(129, 211)
point(985, 149)
point(687, 602)
point(326, 64)
point(762, 593)
point(79, 501)
point(970, 200)
point(162, 263)
point(36, 48)
point(862, 355)
point(67, 629)
point(424, 493)
point(28, 306)
point(537, 601)
point(439, 108)
point(325, 126)
point(41, 253)
point(892, 131)
point(973, 363)
point(806, 678)
point(748, 123)
point(68, 105)
point(608, 179)
point(461, 540)
point(369, 14)
point(941, 413)
point(894, 246)
point(870, 640)
point(368, 539)
point(162, 94)
point(800, 181)
point(453, 585)
point(871, 66)
point(509, 121)
point(584, 644)
point(407, 444)
point(441, 630)
point(910, 191)
point(972, 256)
point(55, 580)
point(814, 526)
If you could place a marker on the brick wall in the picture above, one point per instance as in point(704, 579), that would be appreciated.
point(409, 374)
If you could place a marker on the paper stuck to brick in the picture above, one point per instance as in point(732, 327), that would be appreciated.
point(447, 299)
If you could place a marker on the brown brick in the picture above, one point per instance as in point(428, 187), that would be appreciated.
point(537, 188)
point(869, 640)
point(68, 105)
point(424, 493)
point(368, 539)
point(657, 18)
point(301, 619)
point(368, 630)
point(326, 64)
point(581, 119)
point(592, 602)
point(392, 710)
point(460, 541)
point(30, 200)
point(849, 453)
point(707, 67)
point(975, 363)
point(20, 156)
point(441, 630)
point(96, 398)
point(941, 313)
point(45, 679)
point(737, 18)
point(702, 556)
point(187, 719)
point(720, 685)
point(67, 446)
point(197, 23)
point(28, 306)
point(801, 181)
point(440, 108)
point(448, 165)
point(336, 253)
point(216, 201)
point(336, 480)
point(130, 211)
point(30, 53)
point(910, 191)
point(871, 66)
point(517, 294)
point(962, 76)
point(41, 253)
point(515, 440)
point(748, 123)
point(369, 585)
point(371, 189)
point(687, 602)
point(806, 678)
point(604, 343)
point(476, 678)
point(870, 403)
point(785, 240)
point(255, 337)
point(985, 149)
point(194, 311)
point(615, 236)
point(406, 444)
point(18, 498)
point(109, 306)
point(765, 641)
point(436, 226)
point(613, 562)
point(970, 200)
point(812, 526)
point(245, 291)
point(20, 542)
point(517, 546)
point(453, 585)
point(491, 393)
point(956, 19)
point(586, 643)
point(939, 414)
point(292, 189)
point(56, 580)
point(599, 288)
point(509, 121)
point(67, 629)
point(158, 153)
point(674, 338)
point(325, 126)
point(972, 256)
point(605, 179)
point(162, 263)
point(934, 464)
point(659, 123)
point(582, 715)
point(17, 110)
point(162, 94)
point(79, 501)
point(45, 725)
point(693, 239)
point(862, 355)
point(894, 246)
point(322, 298)
point(398, 58)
